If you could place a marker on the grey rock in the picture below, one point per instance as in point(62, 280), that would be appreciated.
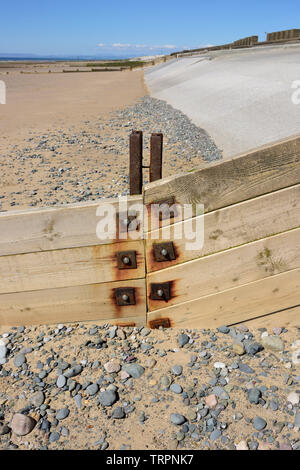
point(3, 352)
point(134, 370)
point(183, 339)
point(252, 348)
point(220, 393)
point(108, 398)
point(38, 399)
point(54, 436)
point(61, 381)
point(63, 413)
point(76, 370)
point(92, 389)
point(177, 370)
point(19, 360)
point(177, 419)
point(259, 423)
point(297, 420)
point(215, 435)
point(224, 329)
point(176, 388)
point(118, 413)
point(245, 368)
point(254, 395)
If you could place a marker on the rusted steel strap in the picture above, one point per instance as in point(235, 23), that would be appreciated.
point(136, 163)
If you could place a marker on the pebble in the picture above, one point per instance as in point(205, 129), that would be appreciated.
point(108, 398)
point(176, 388)
point(38, 399)
point(259, 423)
point(293, 398)
point(177, 370)
point(63, 413)
point(274, 343)
point(134, 370)
point(177, 419)
point(238, 349)
point(211, 401)
point(92, 389)
point(254, 395)
point(112, 366)
point(216, 434)
point(242, 445)
point(118, 413)
point(183, 339)
point(19, 360)
point(22, 424)
point(61, 381)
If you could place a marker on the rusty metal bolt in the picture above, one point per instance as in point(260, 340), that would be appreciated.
point(160, 292)
point(125, 297)
point(126, 260)
point(164, 252)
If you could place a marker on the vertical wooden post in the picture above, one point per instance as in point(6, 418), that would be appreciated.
point(156, 151)
point(136, 163)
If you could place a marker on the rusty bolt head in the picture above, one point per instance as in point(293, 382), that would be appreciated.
point(160, 292)
point(126, 259)
point(164, 252)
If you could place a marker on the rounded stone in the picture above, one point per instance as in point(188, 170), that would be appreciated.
point(38, 399)
point(183, 339)
point(108, 398)
point(177, 370)
point(63, 413)
point(134, 370)
point(19, 360)
point(259, 423)
point(118, 413)
point(274, 343)
point(61, 381)
point(92, 389)
point(177, 419)
point(254, 395)
point(22, 425)
point(176, 388)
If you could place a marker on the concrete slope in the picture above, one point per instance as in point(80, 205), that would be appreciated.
point(243, 99)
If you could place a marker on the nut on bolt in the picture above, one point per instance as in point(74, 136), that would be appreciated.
point(126, 260)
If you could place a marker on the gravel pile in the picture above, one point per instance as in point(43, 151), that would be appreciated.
point(90, 161)
point(86, 386)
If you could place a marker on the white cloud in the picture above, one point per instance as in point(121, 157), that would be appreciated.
point(121, 45)
point(101, 45)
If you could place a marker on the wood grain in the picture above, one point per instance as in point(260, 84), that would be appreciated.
point(229, 227)
point(68, 267)
point(68, 226)
point(221, 184)
point(228, 269)
point(70, 304)
point(235, 305)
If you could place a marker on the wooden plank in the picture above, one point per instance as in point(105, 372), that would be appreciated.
point(67, 226)
point(285, 318)
point(68, 267)
point(70, 304)
point(229, 227)
point(235, 305)
point(227, 269)
point(221, 184)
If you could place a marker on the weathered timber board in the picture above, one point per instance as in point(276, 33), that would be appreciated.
point(229, 227)
point(68, 226)
point(235, 305)
point(231, 181)
point(285, 318)
point(68, 267)
point(70, 304)
point(227, 269)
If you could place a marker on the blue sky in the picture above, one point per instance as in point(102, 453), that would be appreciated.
point(120, 27)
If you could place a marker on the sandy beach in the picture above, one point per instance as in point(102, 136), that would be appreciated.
point(65, 136)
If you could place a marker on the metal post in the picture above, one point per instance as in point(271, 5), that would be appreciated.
point(136, 162)
point(156, 151)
